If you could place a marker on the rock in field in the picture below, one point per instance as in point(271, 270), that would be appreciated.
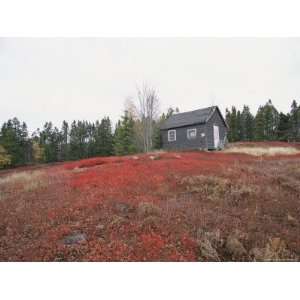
point(208, 244)
point(75, 238)
point(207, 251)
point(293, 221)
point(146, 209)
point(235, 247)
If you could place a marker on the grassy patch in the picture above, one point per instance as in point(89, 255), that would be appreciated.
point(30, 181)
point(263, 151)
point(146, 209)
point(1, 196)
point(216, 188)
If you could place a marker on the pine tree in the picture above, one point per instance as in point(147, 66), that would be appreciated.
point(78, 140)
point(247, 124)
point(266, 122)
point(14, 138)
point(65, 141)
point(239, 130)
point(295, 121)
point(228, 121)
point(50, 139)
point(233, 121)
point(283, 127)
point(104, 138)
point(124, 136)
point(271, 116)
point(260, 125)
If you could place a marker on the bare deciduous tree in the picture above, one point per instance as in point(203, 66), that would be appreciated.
point(148, 109)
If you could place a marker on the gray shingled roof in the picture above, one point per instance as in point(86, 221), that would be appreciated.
point(199, 116)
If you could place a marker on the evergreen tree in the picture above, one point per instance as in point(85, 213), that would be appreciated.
point(228, 121)
point(78, 140)
point(233, 120)
point(90, 139)
point(271, 116)
point(239, 129)
point(14, 139)
point(260, 125)
point(103, 138)
point(65, 141)
point(247, 124)
point(295, 122)
point(266, 122)
point(124, 136)
point(50, 140)
point(283, 127)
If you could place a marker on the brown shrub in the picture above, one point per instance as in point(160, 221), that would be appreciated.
point(207, 185)
point(206, 251)
point(275, 250)
point(213, 236)
point(150, 222)
point(288, 183)
point(117, 221)
point(235, 247)
point(216, 188)
point(146, 209)
point(241, 192)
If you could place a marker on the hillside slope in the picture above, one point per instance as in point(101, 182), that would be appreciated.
point(189, 206)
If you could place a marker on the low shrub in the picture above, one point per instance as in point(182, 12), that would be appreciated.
point(216, 188)
point(146, 209)
point(275, 250)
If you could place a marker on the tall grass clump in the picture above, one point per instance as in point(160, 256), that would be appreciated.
point(30, 181)
point(263, 151)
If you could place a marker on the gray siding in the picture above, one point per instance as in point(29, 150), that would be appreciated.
point(216, 120)
point(182, 142)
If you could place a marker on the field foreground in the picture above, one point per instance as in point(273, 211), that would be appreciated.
point(188, 206)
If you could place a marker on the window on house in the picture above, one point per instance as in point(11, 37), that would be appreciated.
point(191, 133)
point(171, 135)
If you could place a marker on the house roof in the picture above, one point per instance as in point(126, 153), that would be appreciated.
point(199, 116)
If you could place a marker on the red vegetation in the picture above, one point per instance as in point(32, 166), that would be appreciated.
point(149, 207)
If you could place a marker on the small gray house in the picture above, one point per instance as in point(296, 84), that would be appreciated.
point(204, 129)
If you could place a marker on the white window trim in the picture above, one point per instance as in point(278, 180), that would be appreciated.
point(188, 133)
point(169, 132)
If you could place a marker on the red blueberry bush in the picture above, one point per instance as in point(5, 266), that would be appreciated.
point(102, 199)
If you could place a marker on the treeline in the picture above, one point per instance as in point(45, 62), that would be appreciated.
point(78, 140)
point(267, 125)
point(138, 130)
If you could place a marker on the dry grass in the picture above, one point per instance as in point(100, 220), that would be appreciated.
point(146, 209)
point(216, 188)
point(30, 181)
point(263, 151)
point(207, 185)
point(1, 196)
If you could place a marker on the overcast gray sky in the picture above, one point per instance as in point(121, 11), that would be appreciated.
point(87, 78)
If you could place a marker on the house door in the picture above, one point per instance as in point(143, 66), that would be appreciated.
point(216, 137)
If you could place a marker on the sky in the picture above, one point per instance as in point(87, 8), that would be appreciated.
point(56, 79)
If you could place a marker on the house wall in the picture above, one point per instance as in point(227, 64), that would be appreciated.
point(182, 142)
point(216, 120)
